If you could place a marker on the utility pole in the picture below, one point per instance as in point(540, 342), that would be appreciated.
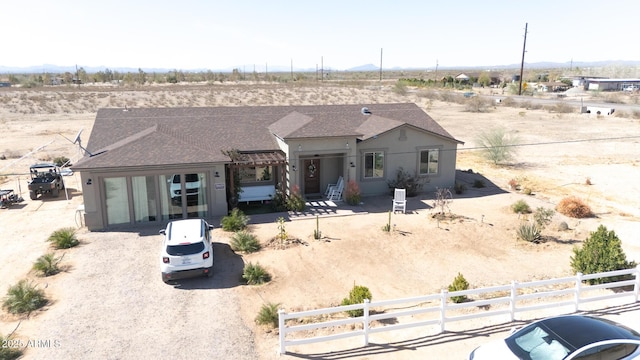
point(381, 65)
point(436, 76)
point(524, 47)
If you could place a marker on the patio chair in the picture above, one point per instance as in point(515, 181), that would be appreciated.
point(335, 193)
point(400, 200)
point(332, 186)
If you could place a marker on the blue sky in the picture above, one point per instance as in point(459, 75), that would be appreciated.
point(212, 34)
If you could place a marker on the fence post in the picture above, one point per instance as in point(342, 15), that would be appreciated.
point(636, 286)
point(281, 330)
point(512, 305)
point(578, 290)
point(443, 306)
point(366, 322)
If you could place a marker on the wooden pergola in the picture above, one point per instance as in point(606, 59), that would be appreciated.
point(254, 159)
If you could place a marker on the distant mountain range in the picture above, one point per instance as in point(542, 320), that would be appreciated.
point(57, 69)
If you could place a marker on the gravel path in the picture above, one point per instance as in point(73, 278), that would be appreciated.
point(112, 304)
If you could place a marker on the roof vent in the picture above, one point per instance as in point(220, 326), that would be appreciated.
point(365, 111)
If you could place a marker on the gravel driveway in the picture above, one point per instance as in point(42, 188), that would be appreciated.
point(112, 304)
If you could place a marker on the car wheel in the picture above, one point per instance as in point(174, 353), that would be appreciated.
point(33, 195)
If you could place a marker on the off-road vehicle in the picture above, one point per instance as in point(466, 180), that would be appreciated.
point(45, 178)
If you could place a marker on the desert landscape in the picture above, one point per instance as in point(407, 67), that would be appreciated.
point(118, 308)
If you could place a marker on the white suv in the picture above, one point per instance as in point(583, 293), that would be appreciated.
point(186, 249)
point(192, 187)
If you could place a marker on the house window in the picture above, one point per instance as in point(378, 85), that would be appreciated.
point(117, 200)
point(429, 161)
point(373, 164)
point(256, 173)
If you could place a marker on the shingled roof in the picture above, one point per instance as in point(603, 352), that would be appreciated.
point(166, 136)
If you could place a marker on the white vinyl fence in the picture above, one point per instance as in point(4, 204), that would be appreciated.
point(507, 299)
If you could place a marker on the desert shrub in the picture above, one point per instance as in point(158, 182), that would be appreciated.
point(601, 252)
point(442, 199)
point(47, 264)
point(477, 104)
point(64, 238)
point(459, 283)
point(268, 315)
point(61, 160)
point(387, 227)
point(244, 241)
point(529, 231)
point(295, 201)
point(357, 295)
point(459, 188)
point(404, 180)
point(478, 183)
point(508, 101)
point(521, 207)
point(23, 298)
point(353, 193)
point(498, 146)
point(8, 352)
point(574, 207)
point(562, 108)
point(400, 88)
point(254, 274)
point(317, 234)
point(543, 216)
point(235, 221)
point(279, 202)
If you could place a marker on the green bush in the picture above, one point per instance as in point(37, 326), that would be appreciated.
point(601, 252)
point(357, 296)
point(498, 146)
point(235, 221)
point(478, 183)
point(255, 274)
point(529, 231)
point(8, 352)
point(268, 315)
point(459, 284)
point(295, 201)
point(244, 241)
point(47, 264)
point(459, 188)
point(404, 180)
point(64, 238)
point(521, 207)
point(543, 216)
point(24, 297)
point(61, 160)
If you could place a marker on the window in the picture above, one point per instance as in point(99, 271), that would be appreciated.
point(373, 164)
point(255, 173)
point(429, 161)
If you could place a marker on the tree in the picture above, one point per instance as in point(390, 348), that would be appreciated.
point(601, 252)
point(484, 79)
point(498, 145)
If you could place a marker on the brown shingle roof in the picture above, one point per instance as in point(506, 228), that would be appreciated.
point(164, 136)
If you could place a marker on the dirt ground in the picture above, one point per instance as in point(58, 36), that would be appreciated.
point(562, 153)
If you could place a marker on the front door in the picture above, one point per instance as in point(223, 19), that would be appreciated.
point(312, 176)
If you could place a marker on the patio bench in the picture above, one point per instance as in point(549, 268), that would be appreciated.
point(257, 193)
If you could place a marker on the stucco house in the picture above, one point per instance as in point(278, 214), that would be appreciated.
point(156, 164)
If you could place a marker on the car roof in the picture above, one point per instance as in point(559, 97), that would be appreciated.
point(43, 165)
point(185, 231)
point(579, 330)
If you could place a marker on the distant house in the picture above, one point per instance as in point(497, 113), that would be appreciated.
point(156, 164)
point(553, 86)
point(494, 77)
point(611, 84)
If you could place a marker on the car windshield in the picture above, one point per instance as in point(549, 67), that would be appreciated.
point(185, 249)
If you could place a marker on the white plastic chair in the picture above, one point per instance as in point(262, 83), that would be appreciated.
point(332, 186)
point(335, 193)
point(400, 200)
